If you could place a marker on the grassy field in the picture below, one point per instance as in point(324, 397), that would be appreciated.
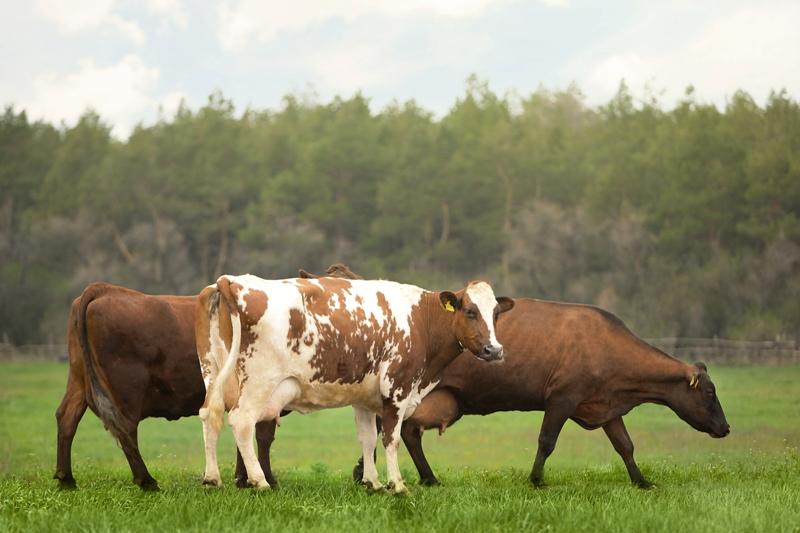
point(749, 481)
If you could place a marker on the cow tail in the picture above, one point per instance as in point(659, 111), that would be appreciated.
point(215, 404)
point(99, 393)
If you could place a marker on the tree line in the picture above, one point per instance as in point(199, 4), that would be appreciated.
point(682, 221)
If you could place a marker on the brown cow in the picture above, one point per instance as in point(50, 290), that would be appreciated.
point(570, 361)
point(133, 356)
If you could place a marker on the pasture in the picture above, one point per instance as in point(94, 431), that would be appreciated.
point(749, 481)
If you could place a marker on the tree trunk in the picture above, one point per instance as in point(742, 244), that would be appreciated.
point(445, 223)
point(505, 258)
point(161, 245)
point(122, 247)
point(222, 257)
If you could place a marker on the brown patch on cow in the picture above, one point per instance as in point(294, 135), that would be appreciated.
point(241, 374)
point(256, 305)
point(350, 345)
point(297, 328)
point(314, 297)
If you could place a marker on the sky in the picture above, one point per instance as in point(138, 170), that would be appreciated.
point(134, 61)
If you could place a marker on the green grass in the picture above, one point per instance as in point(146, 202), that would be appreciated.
point(749, 481)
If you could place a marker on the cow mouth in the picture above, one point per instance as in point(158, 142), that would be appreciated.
point(720, 434)
point(490, 354)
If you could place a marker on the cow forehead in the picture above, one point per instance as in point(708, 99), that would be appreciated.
point(482, 295)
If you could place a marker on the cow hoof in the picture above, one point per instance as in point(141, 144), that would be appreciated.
point(66, 482)
point(212, 483)
point(258, 485)
point(151, 485)
point(241, 483)
point(538, 483)
point(372, 486)
point(644, 484)
point(429, 482)
point(398, 489)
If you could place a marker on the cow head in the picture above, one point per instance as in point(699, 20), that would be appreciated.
point(697, 404)
point(475, 311)
point(336, 270)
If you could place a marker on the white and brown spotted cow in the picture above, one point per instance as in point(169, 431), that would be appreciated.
point(309, 344)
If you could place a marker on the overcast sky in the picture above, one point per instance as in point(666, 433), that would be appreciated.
point(128, 58)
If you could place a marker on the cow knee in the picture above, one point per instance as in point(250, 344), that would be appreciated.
point(547, 443)
point(625, 449)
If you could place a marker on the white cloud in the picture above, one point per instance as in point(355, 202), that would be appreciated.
point(752, 49)
point(89, 15)
point(348, 66)
point(171, 12)
point(120, 93)
point(262, 20)
point(170, 103)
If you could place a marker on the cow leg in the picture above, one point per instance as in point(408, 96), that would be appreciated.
point(554, 418)
point(618, 435)
point(241, 473)
point(265, 435)
point(438, 410)
point(211, 431)
point(255, 406)
point(392, 422)
point(243, 425)
point(358, 470)
point(412, 438)
point(130, 446)
point(368, 436)
point(68, 415)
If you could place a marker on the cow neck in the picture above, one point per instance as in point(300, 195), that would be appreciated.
point(655, 376)
point(441, 344)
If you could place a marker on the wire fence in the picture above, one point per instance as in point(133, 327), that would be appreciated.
point(730, 352)
point(715, 350)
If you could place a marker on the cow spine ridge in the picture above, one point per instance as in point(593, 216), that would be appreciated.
point(215, 403)
point(102, 398)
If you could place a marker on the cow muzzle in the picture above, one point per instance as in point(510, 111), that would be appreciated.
point(724, 431)
point(491, 352)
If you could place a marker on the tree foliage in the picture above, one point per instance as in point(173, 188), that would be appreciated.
point(684, 221)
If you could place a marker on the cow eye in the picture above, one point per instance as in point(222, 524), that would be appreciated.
point(710, 392)
point(470, 313)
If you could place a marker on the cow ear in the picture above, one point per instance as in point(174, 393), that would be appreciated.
point(701, 366)
point(307, 275)
point(449, 301)
point(694, 380)
point(504, 303)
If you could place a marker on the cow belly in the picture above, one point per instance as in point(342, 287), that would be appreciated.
point(317, 395)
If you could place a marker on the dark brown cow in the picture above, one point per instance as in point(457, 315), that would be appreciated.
point(570, 361)
point(132, 356)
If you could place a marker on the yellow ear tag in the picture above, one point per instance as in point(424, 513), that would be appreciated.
point(693, 381)
point(449, 307)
